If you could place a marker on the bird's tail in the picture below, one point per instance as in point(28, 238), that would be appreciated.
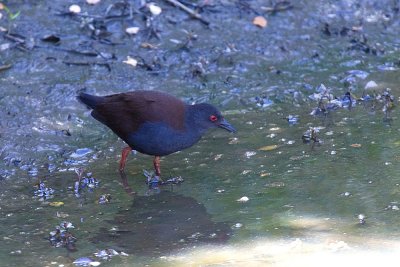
point(90, 100)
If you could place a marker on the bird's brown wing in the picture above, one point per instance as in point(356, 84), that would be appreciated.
point(125, 113)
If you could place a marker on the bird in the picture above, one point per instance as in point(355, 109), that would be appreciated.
point(153, 122)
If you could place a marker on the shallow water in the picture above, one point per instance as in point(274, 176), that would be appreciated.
point(303, 202)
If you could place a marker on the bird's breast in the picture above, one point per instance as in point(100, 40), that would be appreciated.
point(159, 139)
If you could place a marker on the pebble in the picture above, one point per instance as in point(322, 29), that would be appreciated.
point(238, 225)
point(75, 9)
point(243, 199)
point(371, 84)
point(154, 9)
point(93, 2)
point(249, 154)
point(132, 30)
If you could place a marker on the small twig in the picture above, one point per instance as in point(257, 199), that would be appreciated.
point(280, 6)
point(84, 63)
point(15, 38)
point(83, 53)
point(189, 11)
point(5, 67)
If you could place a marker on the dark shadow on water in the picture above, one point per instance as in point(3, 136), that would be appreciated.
point(159, 224)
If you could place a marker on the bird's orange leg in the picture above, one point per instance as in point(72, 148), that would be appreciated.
point(124, 155)
point(157, 164)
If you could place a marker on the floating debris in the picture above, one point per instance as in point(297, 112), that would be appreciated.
point(237, 225)
point(388, 103)
point(104, 199)
point(85, 261)
point(249, 154)
point(268, 148)
point(262, 101)
point(66, 225)
point(348, 100)
point(392, 206)
point(243, 199)
point(275, 185)
point(292, 119)
point(61, 236)
point(245, 172)
point(43, 192)
point(275, 129)
point(371, 85)
point(61, 214)
point(358, 73)
point(345, 194)
point(88, 182)
point(106, 254)
point(361, 219)
point(311, 135)
point(233, 141)
point(218, 156)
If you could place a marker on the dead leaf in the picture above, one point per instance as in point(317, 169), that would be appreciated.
point(268, 148)
point(62, 214)
point(56, 203)
point(148, 45)
point(260, 21)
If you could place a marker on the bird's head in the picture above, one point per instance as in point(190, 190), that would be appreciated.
point(207, 116)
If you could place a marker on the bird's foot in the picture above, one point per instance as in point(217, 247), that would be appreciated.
point(154, 181)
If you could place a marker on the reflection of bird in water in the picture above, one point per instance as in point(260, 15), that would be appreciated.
point(162, 223)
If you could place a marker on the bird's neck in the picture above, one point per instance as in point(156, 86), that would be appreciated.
point(192, 121)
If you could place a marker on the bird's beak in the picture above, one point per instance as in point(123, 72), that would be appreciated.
point(227, 126)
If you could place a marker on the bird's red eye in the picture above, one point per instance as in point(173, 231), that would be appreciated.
point(213, 118)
